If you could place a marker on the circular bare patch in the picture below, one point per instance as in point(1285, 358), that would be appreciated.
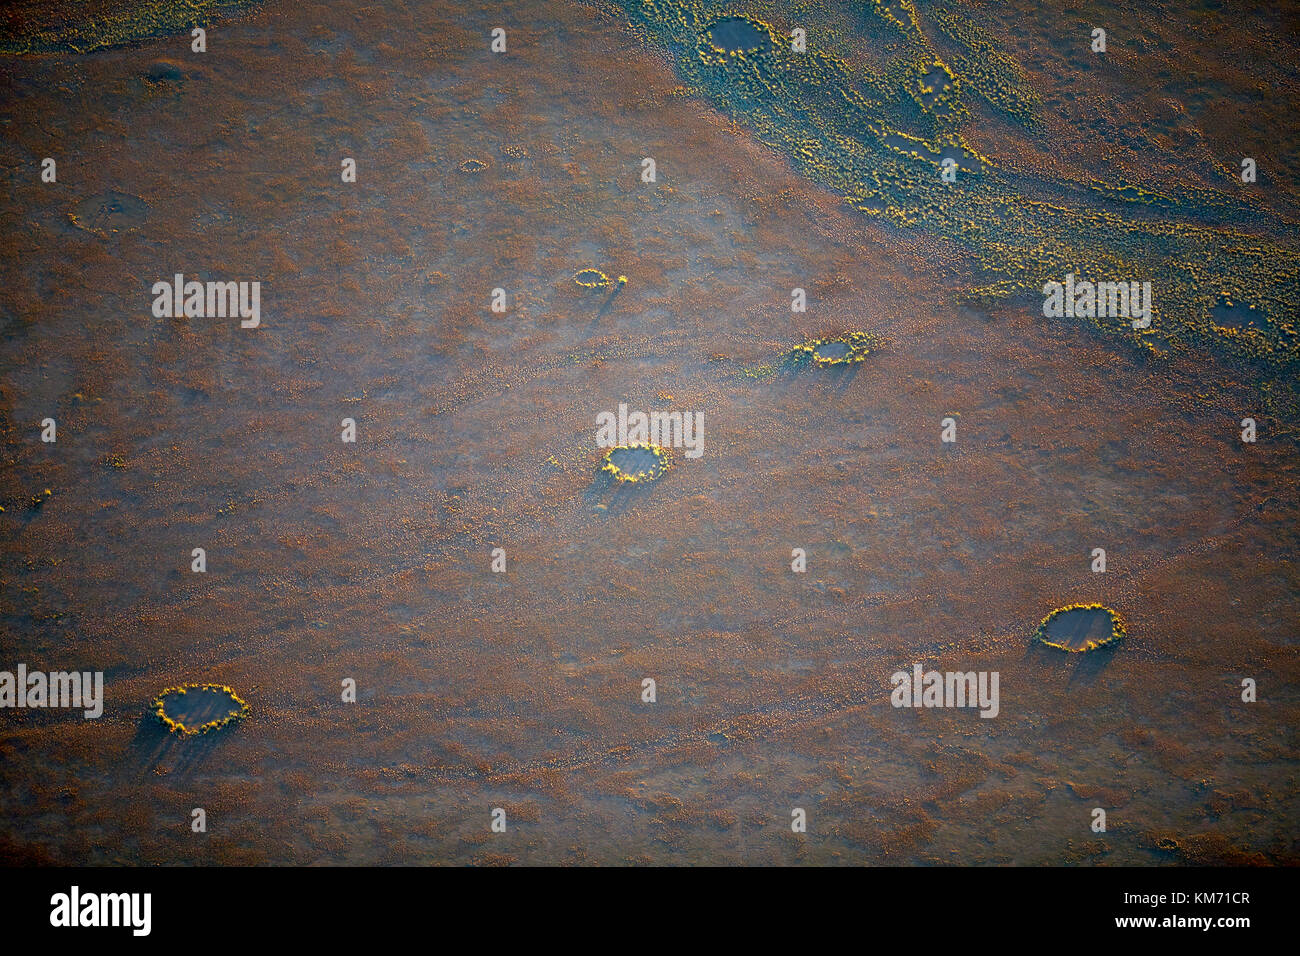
point(847, 349)
point(739, 35)
point(635, 463)
point(192, 709)
point(1080, 627)
point(109, 213)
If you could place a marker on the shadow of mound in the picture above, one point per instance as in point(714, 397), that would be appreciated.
point(796, 366)
point(1089, 666)
point(154, 746)
point(1085, 667)
point(607, 495)
point(606, 305)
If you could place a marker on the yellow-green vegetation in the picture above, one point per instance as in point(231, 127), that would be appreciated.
point(172, 697)
point(990, 72)
point(635, 463)
point(873, 107)
point(83, 26)
point(847, 349)
point(1084, 643)
point(473, 166)
point(590, 278)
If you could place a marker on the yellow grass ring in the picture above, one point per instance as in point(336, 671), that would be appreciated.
point(848, 349)
point(1078, 628)
point(193, 709)
point(635, 463)
point(590, 278)
point(473, 166)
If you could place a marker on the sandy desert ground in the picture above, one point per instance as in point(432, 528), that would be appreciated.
point(476, 430)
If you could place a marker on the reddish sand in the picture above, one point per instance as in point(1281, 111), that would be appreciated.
point(476, 430)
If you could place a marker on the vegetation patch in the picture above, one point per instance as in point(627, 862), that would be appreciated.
point(193, 709)
point(1079, 628)
point(635, 463)
point(848, 349)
